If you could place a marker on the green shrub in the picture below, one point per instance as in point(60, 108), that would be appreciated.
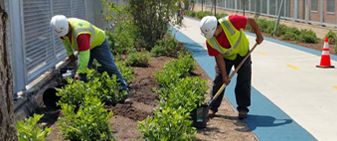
point(167, 125)
point(291, 34)
point(193, 14)
point(98, 85)
point(127, 72)
point(332, 37)
point(281, 30)
point(156, 51)
point(138, 59)
point(169, 46)
point(187, 93)
point(308, 36)
point(88, 124)
point(29, 129)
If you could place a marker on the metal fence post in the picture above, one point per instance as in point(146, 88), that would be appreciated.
point(278, 17)
point(295, 10)
point(322, 12)
point(52, 33)
point(20, 75)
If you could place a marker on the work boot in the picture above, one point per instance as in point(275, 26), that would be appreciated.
point(243, 114)
point(127, 101)
point(211, 113)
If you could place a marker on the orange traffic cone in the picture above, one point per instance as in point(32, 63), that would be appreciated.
point(325, 58)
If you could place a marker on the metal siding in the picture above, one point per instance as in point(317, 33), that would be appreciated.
point(9, 33)
point(91, 11)
point(78, 9)
point(60, 7)
point(38, 41)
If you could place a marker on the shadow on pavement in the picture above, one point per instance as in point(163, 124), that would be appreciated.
point(255, 121)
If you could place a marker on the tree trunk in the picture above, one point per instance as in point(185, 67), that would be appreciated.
point(202, 5)
point(215, 8)
point(7, 130)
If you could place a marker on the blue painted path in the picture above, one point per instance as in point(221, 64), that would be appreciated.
point(265, 119)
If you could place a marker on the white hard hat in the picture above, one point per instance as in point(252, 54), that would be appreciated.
point(208, 26)
point(60, 25)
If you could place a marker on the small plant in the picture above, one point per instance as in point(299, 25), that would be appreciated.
point(98, 85)
point(167, 125)
point(332, 37)
point(308, 36)
point(29, 129)
point(138, 59)
point(291, 34)
point(88, 124)
point(187, 93)
point(127, 72)
point(156, 51)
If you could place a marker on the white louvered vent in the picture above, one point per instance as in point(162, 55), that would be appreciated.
point(39, 50)
point(78, 9)
point(91, 11)
point(9, 33)
point(60, 7)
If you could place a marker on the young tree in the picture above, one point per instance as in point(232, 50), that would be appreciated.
point(7, 123)
point(153, 17)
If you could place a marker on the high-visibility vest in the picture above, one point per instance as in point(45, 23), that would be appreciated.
point(79, 26)
point(237, 39)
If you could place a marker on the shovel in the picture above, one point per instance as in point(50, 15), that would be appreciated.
point(231, 76)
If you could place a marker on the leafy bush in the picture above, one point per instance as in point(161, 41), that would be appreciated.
point(122, 35)
point(167, 125)
point(281, 30)
point(152, 18)
point(138, 59)
point(156, 51)
point(332, 37)
point(187, 93)
point(221, 15)
point(175, 70)
point(169, 46)
point(308, 36)
point(127, 72)
point(29, 129)
point(98, 85)
point(88, 124)
point(291, 34)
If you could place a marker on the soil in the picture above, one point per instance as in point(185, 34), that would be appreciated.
point(225, 126)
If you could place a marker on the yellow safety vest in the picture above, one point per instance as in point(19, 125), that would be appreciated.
point(79, 26)
point(237, 39)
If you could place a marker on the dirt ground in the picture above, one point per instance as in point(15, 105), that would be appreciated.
point(225, 126)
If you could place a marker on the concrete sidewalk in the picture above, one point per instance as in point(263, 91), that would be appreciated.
point(288, 91)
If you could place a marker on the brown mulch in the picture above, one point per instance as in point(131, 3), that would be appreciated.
point(124, 122)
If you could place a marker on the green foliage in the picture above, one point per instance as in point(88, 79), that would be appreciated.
point(281, 30)
point(123, 34)
point(127, 72)
point(169, 46)
point(187, 93)
point(138, 59)
point(88, 124)
point(221, 15)
point(332, 37)
point(168, 124)
point(291, 34)
point(175, 70)
point(156, 51)
point(98, 85)
point(152, 17)
point(29, 129)
point(308, 36)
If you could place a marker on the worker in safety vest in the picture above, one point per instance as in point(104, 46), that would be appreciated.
point(90, 42)
point(227, 42)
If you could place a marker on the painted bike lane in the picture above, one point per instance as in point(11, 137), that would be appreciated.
point(291, 98)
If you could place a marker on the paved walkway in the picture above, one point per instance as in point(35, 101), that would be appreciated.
point(291, 98)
